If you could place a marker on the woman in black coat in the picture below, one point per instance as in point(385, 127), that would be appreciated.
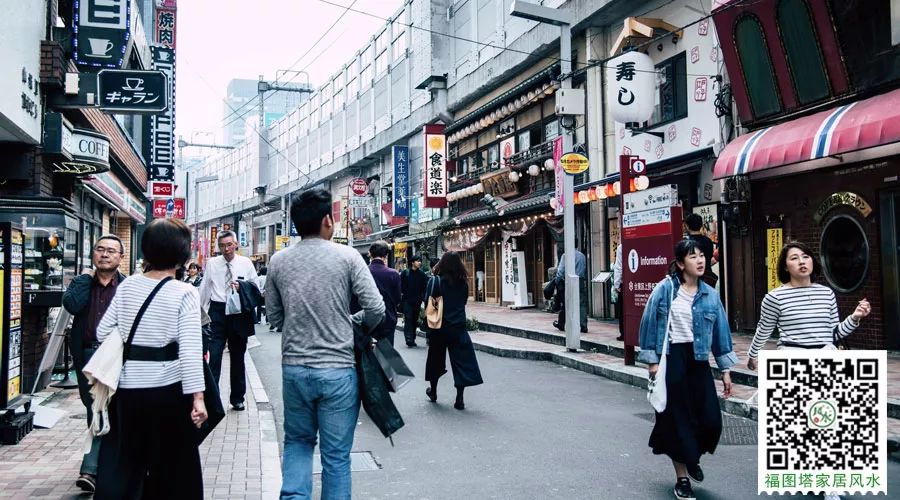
point(450, 281)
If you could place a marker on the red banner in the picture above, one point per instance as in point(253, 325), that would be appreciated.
point(178, 213)
point(159, 208)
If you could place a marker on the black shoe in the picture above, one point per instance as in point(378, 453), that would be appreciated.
point(87, 482)
point(695, 472)
point(238, 407)
point(560, 328)
point(584, 330)
point(432, 396)
point(683, 489)
point(620, 338)
point(459, 405)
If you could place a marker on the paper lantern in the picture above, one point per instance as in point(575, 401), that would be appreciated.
point(479, 188)
point(584, 197)
point(532, 95)
point(609, 191)
point(631, 186)
point(592, 193)
point(631, 87)
point(642, 182)
point(548, 164)
point(553, 203)
point(617, 188)
point(514, 176)
point(601, 192)
point(576, 199)
point(533, 170)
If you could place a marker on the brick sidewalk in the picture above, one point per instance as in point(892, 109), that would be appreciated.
point(238, 458)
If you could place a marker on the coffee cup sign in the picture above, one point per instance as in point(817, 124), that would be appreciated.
point(574, 163)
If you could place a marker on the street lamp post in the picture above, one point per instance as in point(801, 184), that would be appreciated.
point(562, 19)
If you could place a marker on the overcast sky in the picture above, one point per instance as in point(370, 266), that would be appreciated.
point(218, 40)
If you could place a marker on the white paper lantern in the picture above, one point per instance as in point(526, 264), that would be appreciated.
point(479, 188)
point(548, 164)
point(534, 170)
point(532, 95)
point(631, 85)
point(617, 188)
point(642, 182)
point(514, 176)
point(584, 196)
point(495, 115)
point(601, 192)
point(553, 203)
point(506, 110)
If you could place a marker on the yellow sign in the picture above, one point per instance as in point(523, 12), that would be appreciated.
point(774, 242)
point(282, 242)
point(14, 388)
point(574, 163)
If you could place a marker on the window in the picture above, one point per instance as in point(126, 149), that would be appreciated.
point(756, 66)
point(398, 36)
point(523, 141)
point(381, 63)
point(365, 78)
point(551, 129)
point(671, 91)
point(845, 253)
point(803, 55)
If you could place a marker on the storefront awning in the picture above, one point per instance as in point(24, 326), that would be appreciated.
point(859, 131)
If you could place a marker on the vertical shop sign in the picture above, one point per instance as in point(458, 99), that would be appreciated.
point(559, 175)
point(213, 233)
point(774, 241)
point(102, 32)
point(165, 27)
point(401, 181)
point(435, 187)
point(159, 136)
point(11, 262)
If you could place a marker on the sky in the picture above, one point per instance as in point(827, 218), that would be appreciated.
point(218, 40)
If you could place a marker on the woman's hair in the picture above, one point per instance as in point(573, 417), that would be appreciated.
point(783, 275)
point(684, 248)
point(166, 244)
point(451, 266)
point(263, 270)
point(193, 265)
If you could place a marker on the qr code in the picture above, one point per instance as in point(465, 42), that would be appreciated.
point(822, 421)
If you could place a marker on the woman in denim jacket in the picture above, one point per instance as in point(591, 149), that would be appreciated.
point(692, 421)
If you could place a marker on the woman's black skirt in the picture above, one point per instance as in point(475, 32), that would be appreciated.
point(692, 422)
point(455, 341)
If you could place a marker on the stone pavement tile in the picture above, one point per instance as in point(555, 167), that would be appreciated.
point(45, 463)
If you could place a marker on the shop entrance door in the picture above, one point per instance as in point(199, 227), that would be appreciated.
point(890, 258)
point(469, 262)
point(491, 272)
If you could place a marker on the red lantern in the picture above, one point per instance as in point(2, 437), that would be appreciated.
point(592, 193)
point(610, 192)
point(631, 186)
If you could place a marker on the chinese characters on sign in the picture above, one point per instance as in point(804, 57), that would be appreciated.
point(631, 89)
point(559, 176)
point(165, 27)
point(132, 91)
point(435, 187)
point(401, 181)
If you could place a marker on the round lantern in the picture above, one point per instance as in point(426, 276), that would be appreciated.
point(617, 188)
point(553, 203)
point(479, 188)
point(533, 170)
point(631, 88)
point(642, 182)
point(584, 197)
point(609, 191)
point(548, 164)
point(592, 193)
point(601, 192)
point(532, 95)
point(514, 176)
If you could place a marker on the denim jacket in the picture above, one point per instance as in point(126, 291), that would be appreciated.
point(711, 330)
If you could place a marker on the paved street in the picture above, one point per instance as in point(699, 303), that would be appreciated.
point(533, 430)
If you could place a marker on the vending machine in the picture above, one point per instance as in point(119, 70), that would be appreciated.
point(11, 261)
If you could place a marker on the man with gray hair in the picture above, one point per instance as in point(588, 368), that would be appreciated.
point(221, 276)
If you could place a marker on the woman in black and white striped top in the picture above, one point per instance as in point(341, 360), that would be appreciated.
point(152, 447)
point(804, 312)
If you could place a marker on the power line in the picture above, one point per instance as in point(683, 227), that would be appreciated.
point(291, 67)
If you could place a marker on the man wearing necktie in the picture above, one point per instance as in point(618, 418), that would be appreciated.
point(220, 278)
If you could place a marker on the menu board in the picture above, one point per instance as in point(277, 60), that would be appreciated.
point(11, 262)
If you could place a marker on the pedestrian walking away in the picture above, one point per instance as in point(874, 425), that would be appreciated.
point(412, 286)
point(804, 312)
point(581, 271)
point(308, 294)
point(451, 282)
point(151, 450)
point(219, 280)
point(87, 298)
point(685, 321)
point(388, 282)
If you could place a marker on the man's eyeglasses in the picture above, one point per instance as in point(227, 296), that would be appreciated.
point(107, 251)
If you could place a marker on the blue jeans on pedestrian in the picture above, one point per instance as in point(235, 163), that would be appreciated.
point(323, 402)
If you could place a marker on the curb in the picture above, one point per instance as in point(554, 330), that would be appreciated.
point(270, 457)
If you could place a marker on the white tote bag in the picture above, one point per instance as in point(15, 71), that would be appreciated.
point(656, 388)
point(233, 303)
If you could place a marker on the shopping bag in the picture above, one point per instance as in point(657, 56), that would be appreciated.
point(233, 303)
point(395, 369)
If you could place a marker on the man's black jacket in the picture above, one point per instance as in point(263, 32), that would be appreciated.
point(76, 301)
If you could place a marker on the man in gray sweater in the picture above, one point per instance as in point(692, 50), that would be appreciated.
point(308, 292)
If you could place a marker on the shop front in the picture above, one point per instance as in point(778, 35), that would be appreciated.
point(830, 180)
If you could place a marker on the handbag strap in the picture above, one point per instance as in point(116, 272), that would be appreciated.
point(665, 350)
point(140, 314)
point(431, 285)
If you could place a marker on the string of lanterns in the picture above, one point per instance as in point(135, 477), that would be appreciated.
point(503, 112)
point(602, 192)
point(472, 190)
point(520, 220)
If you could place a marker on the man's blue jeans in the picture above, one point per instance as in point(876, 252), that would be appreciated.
point(323, 401)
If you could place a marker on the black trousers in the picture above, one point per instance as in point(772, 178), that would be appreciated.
point(692, 422)
point(582, 305)
point(230, 330)
point(454, 340)
point(151, 450)
point(410, 322)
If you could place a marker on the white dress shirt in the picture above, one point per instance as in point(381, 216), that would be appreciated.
point(214, 285)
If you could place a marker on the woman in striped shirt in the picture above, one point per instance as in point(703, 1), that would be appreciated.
point(804, 312)
point(151, 450)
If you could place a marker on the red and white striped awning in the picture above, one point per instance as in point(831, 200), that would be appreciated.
point(816, 141)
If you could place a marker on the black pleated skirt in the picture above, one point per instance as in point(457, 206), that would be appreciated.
point(692, 422)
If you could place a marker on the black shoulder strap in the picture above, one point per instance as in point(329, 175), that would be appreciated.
point(140, 314)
